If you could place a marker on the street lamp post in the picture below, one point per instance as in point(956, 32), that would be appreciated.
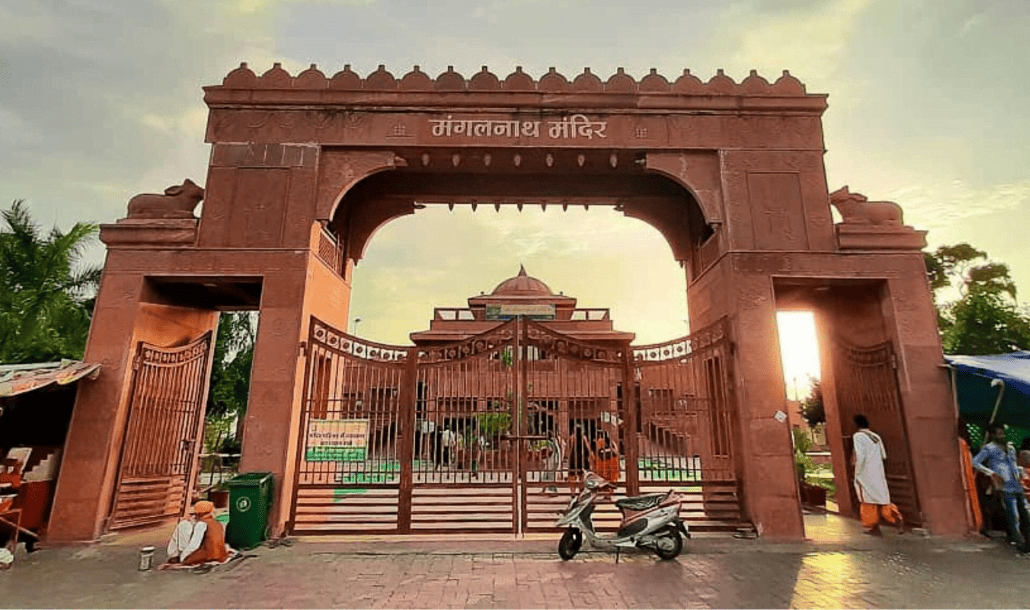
point(354, 330)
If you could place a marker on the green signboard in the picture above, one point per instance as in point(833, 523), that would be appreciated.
point(508, 311)
point(335, 454)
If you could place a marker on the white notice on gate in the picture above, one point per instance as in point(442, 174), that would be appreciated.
point(337, 440)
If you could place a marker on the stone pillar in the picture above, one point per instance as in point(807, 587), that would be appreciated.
point(270, 429)
point(86, 481)
point(767, 452)
point(927, 405)
point(739, 286)
point(290, 296)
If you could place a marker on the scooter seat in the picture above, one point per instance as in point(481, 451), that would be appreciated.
point(640, 502)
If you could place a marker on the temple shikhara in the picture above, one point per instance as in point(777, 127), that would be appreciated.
point(445, 434)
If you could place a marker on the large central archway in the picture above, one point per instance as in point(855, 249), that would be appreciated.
point(505, 177)
point(304, 169)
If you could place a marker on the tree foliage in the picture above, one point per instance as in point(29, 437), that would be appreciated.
point(947, 263)
point(492, 424)
point(985, 323)
point(46, 295)
point(985, 319)
point(230, 373)
point(230, 382)
point(812, 408)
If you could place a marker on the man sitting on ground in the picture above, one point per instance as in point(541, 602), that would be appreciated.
point(199, 539)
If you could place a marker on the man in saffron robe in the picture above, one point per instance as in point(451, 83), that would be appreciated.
point(198, 540)
point(871, 480)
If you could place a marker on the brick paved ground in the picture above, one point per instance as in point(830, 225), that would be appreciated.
point(465, 572)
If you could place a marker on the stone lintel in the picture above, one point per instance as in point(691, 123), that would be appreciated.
point(853, 236)
point(150, 232)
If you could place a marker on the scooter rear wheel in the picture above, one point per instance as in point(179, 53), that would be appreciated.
point(570, 543)
point(669, 545)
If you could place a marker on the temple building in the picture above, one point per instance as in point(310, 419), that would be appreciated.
point(521, 295)
point(562, 394)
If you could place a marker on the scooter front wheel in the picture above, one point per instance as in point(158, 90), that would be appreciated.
point(668, 545)
point(570, 543)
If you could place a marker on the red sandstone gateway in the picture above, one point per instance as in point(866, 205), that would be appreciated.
point(305, 168)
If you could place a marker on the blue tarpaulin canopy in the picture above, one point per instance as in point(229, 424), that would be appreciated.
point(977, 397)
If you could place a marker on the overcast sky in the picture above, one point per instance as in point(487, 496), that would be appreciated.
point(928, 101)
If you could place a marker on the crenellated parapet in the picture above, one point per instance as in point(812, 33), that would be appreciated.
point(417, 109)
point(553, 81)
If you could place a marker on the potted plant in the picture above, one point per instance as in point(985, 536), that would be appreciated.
point(492, 424)
point(811, 495)
point(219, 495)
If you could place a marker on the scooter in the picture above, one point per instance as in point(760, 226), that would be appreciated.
point(649, 522)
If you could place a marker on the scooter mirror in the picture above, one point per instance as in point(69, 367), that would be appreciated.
point(593, 481)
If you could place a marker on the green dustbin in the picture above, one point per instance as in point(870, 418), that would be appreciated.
point(250, 497)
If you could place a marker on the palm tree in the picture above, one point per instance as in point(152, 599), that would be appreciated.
point(46, 296)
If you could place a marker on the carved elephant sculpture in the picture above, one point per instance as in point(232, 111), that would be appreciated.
point(856, 209)
point(177, 202)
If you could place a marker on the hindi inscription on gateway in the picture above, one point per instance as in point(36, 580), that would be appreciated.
point(567, 128)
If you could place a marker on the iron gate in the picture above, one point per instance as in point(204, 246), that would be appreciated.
point(164, 428)
point(467, 420)
point(449, 438)
point(567, 384)
point(686, 425)
point(348, 471)
point(866, 381)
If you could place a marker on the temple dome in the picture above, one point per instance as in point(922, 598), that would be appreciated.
point(522, 285)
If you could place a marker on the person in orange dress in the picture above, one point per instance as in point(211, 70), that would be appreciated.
point(1023, 459)
point(607, 466)
point(969, 477)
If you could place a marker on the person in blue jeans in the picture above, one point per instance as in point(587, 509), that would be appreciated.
point(997, 459)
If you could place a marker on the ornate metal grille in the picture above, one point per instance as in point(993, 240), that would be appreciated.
point(569, 384)
point(329, 252)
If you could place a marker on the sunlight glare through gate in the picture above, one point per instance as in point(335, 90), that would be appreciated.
point(799, 352)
